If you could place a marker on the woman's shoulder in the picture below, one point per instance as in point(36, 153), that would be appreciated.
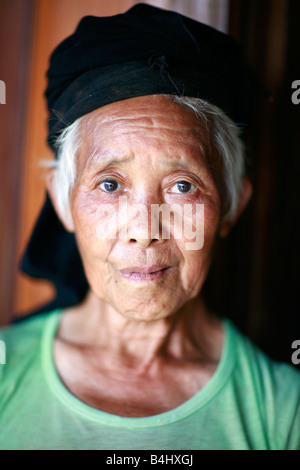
point(270, 386)
point(20, 343)
point(251, 355)
point(252, 363)
point(18, 333)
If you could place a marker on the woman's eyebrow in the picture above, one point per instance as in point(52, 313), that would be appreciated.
point(106, 159)
point(186, 165)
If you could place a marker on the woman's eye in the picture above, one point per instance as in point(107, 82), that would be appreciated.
point(183, 187)
point(109, 186)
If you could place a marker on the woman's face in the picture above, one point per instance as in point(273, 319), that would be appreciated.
point(136, 155)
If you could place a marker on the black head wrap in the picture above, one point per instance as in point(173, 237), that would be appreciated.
point(144, 51)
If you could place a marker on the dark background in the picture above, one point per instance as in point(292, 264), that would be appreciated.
point(256, 272)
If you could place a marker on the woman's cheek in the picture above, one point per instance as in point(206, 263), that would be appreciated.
point(95, 223)
point(196, 262)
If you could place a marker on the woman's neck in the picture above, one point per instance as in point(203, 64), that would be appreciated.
point(190, 334)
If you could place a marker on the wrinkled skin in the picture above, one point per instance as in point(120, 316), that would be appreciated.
point(156, 149)
point(140, 327)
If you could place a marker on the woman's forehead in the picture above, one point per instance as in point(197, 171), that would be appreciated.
point(143, 106)
point(153, 121)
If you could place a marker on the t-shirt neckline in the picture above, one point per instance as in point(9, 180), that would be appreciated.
point(193, 404)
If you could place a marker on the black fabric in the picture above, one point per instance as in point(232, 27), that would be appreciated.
point(52, 254)
point(144, 51)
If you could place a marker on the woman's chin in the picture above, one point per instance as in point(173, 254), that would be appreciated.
point(147, 309)
point(145, 315)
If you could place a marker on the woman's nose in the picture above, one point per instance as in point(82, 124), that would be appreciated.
point(139, 227)
point(143, 242)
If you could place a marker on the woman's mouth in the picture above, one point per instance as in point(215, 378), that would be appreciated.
point(142, 273)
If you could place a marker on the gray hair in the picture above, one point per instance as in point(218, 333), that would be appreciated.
point(225, 136)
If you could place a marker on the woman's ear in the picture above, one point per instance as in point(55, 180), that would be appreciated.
point(65, 216)
point(244, 197)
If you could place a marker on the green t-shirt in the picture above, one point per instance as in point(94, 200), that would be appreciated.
point(251, 402)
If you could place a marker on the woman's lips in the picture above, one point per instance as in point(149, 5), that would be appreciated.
point(142, 273)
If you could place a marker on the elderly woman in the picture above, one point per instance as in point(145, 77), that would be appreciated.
point(146, 110)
